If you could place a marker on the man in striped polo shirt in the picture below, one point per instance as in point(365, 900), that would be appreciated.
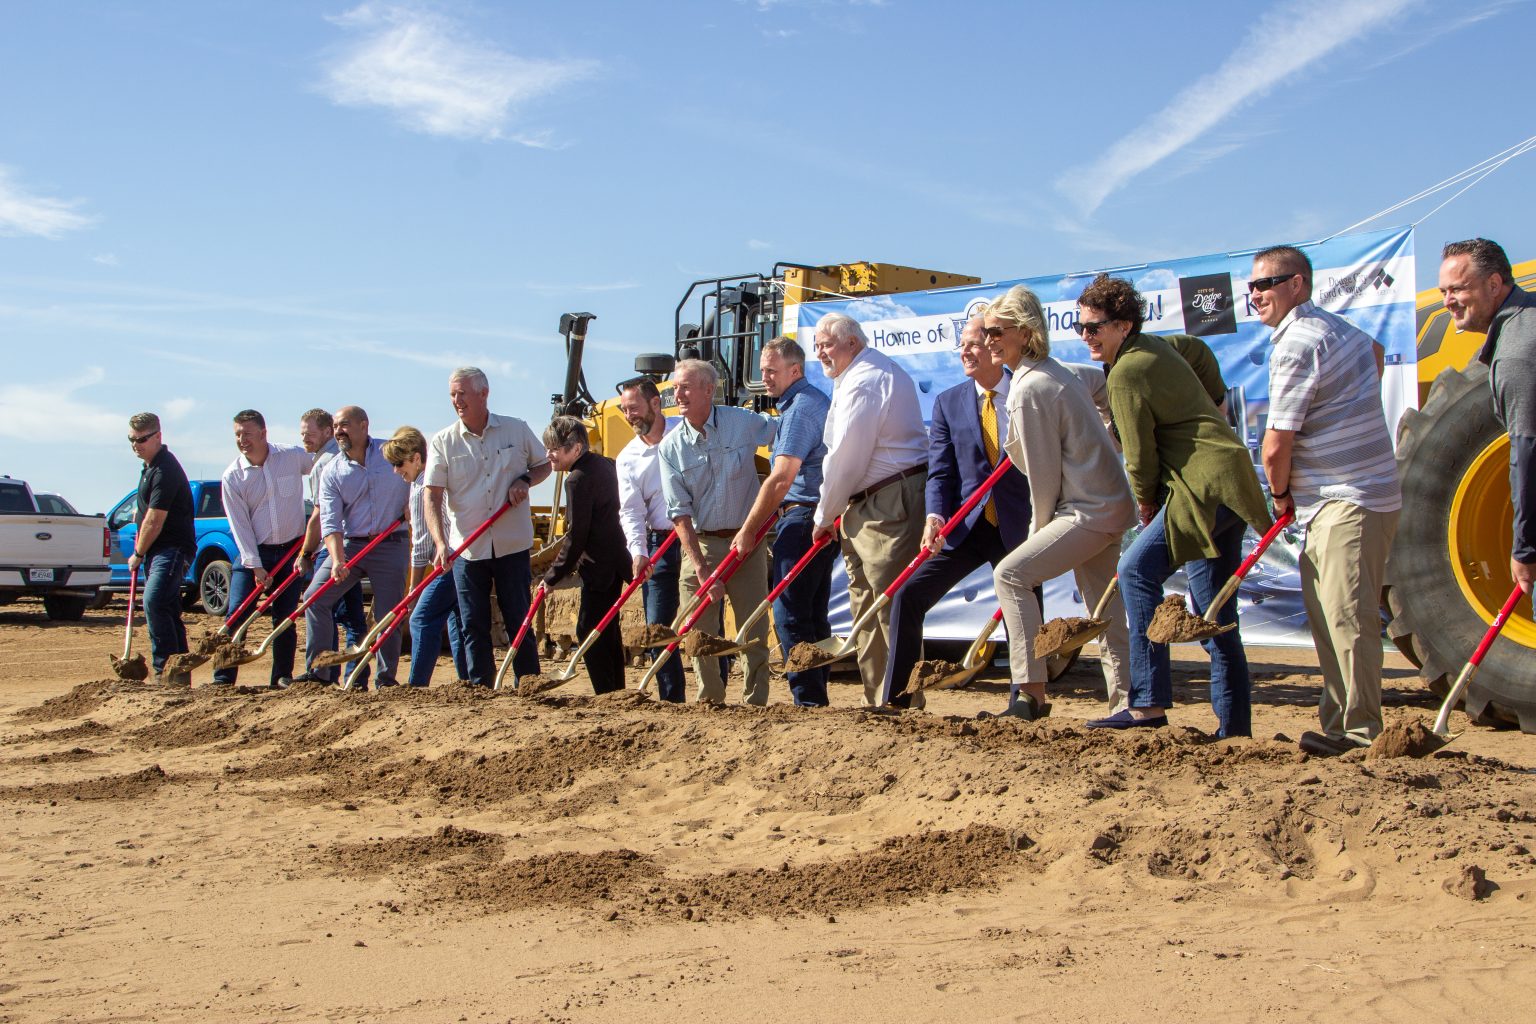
point(1328, 457)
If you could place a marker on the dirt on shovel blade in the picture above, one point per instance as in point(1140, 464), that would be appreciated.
point(131, 668)
point(1065, 633)
point(230, 655)
point(653, 635)
point(699, 644)
point(1173, 623)
point(183, 663)
point(1411, 738)
point(804, 656)
point(209, 643)
point(927, 675)
point(331, 659)
point(529, 686)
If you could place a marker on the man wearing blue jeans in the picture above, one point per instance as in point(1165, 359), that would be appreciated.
point(792, 488)
point(1144, 568)
point(643, 517)
point(165, 542)
point(474, 467)
point(317, 432)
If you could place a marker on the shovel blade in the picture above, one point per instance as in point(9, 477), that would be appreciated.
point(132, 669)
point(805, 656)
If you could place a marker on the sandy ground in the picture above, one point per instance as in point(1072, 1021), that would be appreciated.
point(442, 856)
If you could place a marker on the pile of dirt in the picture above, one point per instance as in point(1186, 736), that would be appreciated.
point(699, 644)
point(556, 879)
point(80, 701)
point(1172, 623)
point(131, 668)
point(929, 674)
point(1407, 737)
point(107, 787)
point(411, 853)
point(1065, 634)
point(653, 634)
point(804, 656)
point(1470, 884)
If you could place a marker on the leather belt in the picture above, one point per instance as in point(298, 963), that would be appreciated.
point(718, 533)
point(892, 479)
point(656, 536)
point(796, 504)
point(367, 538)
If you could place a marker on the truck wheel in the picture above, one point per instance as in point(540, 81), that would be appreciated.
point(101, 600)
point(65, 607)
point(213, 587)
point(1449, 571)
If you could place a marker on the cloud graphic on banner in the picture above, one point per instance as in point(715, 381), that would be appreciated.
point(1283, 42)
point(437, 80)
point(881, 307)
point(1158, 280)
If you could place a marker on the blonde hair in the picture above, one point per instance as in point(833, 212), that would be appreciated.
point(404, 443)
point(1021, 307)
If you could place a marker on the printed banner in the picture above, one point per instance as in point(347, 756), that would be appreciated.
point(1367, 278)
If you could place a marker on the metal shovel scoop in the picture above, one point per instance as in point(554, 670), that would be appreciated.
point(1173, 625)
point(974, 661)
point(1442, 728)
point(1077, 633)
point(130, 667)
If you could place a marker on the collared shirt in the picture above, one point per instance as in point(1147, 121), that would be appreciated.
point(874, 431)
point(999, 402)
point(642, 505)
point(802, 426)
point(163, 485)
point(361, 500)
point(1510, 354)
point(265, 503)
point(1323, 384)
point(423, 547)
point(711, 474)
point(323, 458)
point(475, 472)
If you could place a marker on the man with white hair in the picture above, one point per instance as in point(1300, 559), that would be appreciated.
point(474, 466)
point(873, 476)
point(709, 478)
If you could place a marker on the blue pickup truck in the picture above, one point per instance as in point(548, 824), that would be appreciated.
point(208, 577)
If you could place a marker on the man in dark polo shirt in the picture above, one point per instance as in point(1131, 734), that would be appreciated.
point(165, 543)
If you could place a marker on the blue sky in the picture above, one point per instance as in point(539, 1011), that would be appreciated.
point(213, 204)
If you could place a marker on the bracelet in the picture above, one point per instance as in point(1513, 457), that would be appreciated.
point(1280, 495)
point(525, 478)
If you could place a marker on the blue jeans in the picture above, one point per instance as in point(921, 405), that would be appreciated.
point(512, 577)
point(241, 583)
point(438, 604)
point(162, 572)
point(1144, 568)
point(385, 568)
point(800, 613)
point(661, 608)
point(349, 613)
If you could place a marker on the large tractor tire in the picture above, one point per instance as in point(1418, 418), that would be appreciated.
point(1449, 571)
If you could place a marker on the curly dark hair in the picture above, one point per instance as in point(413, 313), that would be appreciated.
point(1117, 298)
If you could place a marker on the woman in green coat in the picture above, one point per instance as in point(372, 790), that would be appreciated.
point(1196, 495)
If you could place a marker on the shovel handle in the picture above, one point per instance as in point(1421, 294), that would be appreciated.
point(539, 594)
point(1003, 466)
point(789, 577)
point(328, 584)
point(133, 589)
point(634, 584)
point(723, 572)
point(229, 620)
point(1443, 719)
point(1230, 587)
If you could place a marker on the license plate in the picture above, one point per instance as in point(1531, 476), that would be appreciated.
point(40, 575)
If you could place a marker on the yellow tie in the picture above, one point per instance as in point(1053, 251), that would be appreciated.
point(989, 442)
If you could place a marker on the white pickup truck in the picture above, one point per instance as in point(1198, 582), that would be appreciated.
point(59, 557)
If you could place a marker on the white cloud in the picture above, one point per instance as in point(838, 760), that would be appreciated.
point(591, 286)
point(174, 409)
point(436, 78)
point(52, 411)
point(758, 244)
point(106, 259)
point(1282, 43)
point(22, 213)
point(442, 359)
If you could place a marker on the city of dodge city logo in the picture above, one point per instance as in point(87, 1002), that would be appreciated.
point(1208, 306)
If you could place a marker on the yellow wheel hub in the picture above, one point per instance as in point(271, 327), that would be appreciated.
point(1480, 523)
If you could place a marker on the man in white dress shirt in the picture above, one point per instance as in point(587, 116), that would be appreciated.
point(474, 466)
point(263, 492)
point(873, 476)
point(643, 515)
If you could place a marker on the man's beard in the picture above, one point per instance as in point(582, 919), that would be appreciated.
point(643, 426)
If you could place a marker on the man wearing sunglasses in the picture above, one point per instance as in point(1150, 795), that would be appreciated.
point(1328, 457)
point(165, 544)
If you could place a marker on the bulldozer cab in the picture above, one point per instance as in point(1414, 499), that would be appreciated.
point(726, 321)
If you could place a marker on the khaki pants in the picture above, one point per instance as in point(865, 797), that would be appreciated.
point(1062, 546)
point(881, 535)
point(1342, 566)
point(745, 590)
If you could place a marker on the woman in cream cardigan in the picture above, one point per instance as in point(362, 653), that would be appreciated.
point(1081, 500)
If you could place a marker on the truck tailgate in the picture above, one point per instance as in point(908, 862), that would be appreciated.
point(69, 543)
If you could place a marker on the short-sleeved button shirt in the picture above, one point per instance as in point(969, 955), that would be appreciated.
point(710, 473)
point(475, 472)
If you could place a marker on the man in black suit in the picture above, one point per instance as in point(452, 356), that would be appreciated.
point(965, 439)
point(594, 545)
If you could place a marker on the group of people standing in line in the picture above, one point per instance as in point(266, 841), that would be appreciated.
point(1141, 443)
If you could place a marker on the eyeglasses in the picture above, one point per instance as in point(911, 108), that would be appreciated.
point(142, 437)
point(1090, 328)
point(1264, 284)
point(993, 333)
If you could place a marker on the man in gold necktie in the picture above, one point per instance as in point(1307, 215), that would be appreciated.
point(965, 440)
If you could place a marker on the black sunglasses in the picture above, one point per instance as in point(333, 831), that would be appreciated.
point(1264, 284)
point(1090, 328)
point(142, 437)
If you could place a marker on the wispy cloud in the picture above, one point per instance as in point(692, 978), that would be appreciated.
point(54, 410)
point(23, 213)
point(437, 78)
point(590, 286)
point(106, 259)
point(757, 244)
point(442, 359)
point(1282, 43)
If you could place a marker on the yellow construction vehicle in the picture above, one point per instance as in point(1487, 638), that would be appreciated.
point(1449, 570)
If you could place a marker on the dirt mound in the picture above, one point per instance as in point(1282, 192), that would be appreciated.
point(1411, 737)
point(1470, 884)
point(1065, 633)
point(411, 853)
point(1172, 623)
point(699, 644)
point(556, 879)
point(929, 674)
point(107, 787)
point(80, 701)
point(69, 756)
